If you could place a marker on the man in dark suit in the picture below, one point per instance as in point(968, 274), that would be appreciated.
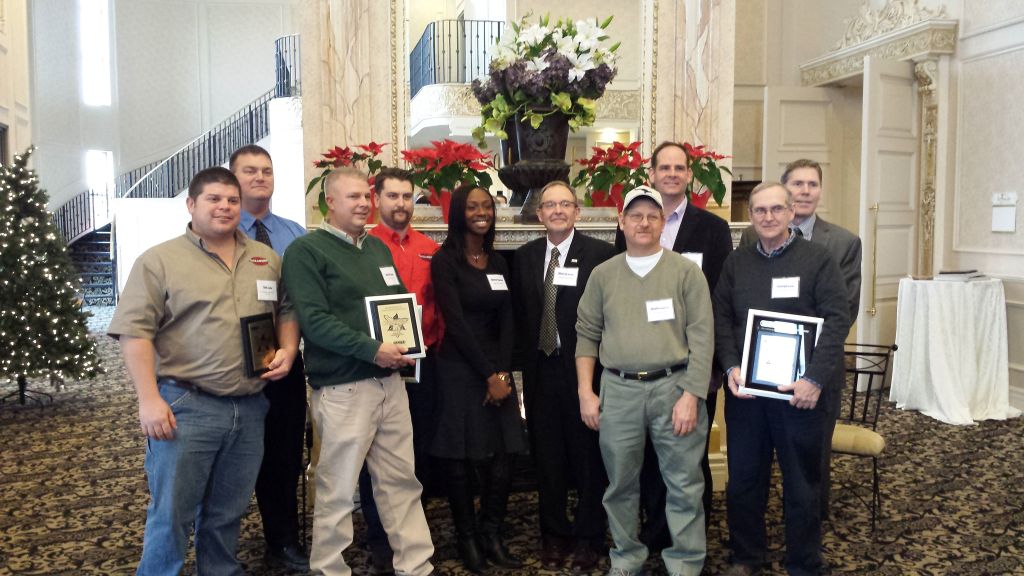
point(803, 179)
point(704, 238)
point(550, 275)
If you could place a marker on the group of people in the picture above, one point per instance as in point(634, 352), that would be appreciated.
point(622, 348)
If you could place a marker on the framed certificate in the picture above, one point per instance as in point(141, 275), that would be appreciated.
point(776, 350)
point(394, 319)
point(259, 343)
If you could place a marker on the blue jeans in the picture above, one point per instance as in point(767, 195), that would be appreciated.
point(205, 475)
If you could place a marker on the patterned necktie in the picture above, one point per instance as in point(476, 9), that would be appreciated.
point(262, 235)
point(548, 341)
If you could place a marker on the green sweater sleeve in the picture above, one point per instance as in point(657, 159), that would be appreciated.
point(304, 278)
point(699, 331)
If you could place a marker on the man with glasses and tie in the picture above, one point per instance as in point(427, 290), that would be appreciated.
point(646, 314)
point(550, 275)
point(286, 420)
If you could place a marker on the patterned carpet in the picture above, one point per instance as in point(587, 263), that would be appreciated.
point(73, 495)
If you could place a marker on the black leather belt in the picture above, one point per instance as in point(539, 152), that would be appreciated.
point(183, 384)
point(648, 374)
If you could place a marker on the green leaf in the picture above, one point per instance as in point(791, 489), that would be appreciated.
point(606, 22)
point(615, 47)
point(535, 119)
point(562, 101)
point(322, 203)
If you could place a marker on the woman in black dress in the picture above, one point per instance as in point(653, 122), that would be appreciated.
point(478, 421)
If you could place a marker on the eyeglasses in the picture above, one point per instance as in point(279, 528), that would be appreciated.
point(776, 210)
point(564, 204)
point(636, 217)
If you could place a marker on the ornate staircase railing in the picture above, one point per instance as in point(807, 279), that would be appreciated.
point(452, 51)
point(89, 210)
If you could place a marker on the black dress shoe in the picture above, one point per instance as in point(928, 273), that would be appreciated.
point(291, 557)
point(496, 553)
point(471, 555)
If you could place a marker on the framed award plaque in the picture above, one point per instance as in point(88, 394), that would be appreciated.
point(394, 319)
point(259, 343)
point(776, 350)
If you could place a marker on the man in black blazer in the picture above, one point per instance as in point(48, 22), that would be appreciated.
point(547, 288)
point(803, 179)
point(705, 239)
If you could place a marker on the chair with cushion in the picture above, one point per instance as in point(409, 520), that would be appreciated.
point(855, 433)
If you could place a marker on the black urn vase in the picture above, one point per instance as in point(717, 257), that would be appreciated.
point(532, 157)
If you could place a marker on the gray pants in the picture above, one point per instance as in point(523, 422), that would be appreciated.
point(631, 410)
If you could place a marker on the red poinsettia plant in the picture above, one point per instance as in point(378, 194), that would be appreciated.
point(707, 179)
point(444, 165)
point(610, 171)
point(365, 154)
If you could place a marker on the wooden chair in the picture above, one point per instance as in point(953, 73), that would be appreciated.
point(855, 433)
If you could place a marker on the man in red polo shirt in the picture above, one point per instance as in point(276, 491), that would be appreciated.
point(411, 251)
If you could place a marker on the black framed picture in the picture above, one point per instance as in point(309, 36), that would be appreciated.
point(259, 343)
point(776, 350)
point(394, 319)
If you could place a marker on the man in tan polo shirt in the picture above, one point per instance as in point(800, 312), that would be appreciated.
point(179, 321)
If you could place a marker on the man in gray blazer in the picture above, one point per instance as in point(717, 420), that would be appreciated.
point(803, 179)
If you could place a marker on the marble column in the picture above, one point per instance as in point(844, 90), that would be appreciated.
point(689, 78)
point(355, 79)
point(926, 73)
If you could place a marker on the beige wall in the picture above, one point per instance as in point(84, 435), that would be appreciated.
point(15, 107)
point(179, 67)
point(987, 116)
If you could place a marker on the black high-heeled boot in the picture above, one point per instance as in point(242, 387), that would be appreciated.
point(493, 507)
point(460, 502)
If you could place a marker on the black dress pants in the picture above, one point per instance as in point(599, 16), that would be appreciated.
point(278, 480)
point(566, 452)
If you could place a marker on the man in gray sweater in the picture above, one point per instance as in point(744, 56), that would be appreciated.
point(647, 315)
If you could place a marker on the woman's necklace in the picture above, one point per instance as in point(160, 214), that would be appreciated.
point(475, 257)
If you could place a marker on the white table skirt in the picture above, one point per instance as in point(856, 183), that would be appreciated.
point(952, 358)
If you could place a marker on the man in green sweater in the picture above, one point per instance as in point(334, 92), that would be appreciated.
point(647, 315)
point(359, 403)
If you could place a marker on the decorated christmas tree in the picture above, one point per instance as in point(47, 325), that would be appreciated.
point(42, 324)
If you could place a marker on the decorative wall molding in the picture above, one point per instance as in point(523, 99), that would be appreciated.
point(894, 15)
point(445, 101)
point(922, 41)
point(3, 16)
point(926, 74)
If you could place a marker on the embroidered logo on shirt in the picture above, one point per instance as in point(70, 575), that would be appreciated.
point(259, 261)
point(426, 256)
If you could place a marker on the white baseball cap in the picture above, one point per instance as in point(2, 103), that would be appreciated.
point(642, 192)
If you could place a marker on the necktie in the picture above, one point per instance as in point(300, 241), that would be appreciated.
point(262, 235)
point(548, 341)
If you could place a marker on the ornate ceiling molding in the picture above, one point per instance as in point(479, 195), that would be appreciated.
point(895, 15)
point(921, 41)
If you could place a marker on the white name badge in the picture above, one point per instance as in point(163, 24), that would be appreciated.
point(566, 276)
point(695, 257)
point(390, 277)
point(266, 290)
point(786, 287)
point(497, 282)
point(658, 310)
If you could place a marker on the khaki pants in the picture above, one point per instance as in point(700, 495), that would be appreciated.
point(367, 420)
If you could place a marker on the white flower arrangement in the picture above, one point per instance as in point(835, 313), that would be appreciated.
point(542, 69)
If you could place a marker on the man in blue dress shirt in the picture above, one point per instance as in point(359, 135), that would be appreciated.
point(286, 421)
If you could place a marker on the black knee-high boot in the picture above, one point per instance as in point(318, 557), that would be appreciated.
point(460, 501)
point(493, 506)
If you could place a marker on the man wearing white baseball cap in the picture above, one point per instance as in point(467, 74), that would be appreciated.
point(646, 314)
